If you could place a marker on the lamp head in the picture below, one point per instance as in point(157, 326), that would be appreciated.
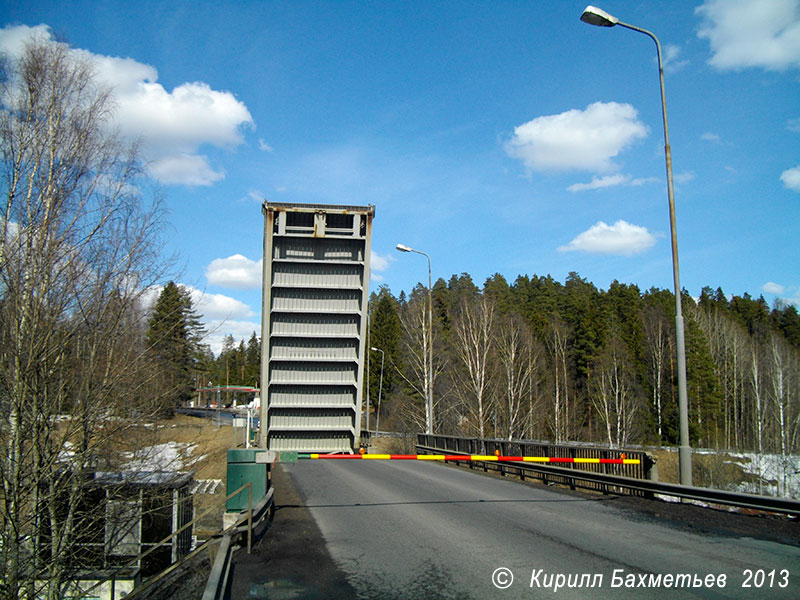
point(597, 16)
point(403, 248)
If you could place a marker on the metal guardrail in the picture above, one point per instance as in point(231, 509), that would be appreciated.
point(608, 482)
point(646, 469)
point(218, 578)
point(245, 524)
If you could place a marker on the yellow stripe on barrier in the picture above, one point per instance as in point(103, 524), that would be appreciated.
point(479, 458)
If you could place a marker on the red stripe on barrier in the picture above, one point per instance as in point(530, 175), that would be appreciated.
point(339, 456)
point(466, 457)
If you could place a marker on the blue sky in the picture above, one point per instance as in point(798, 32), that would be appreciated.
point(501, 137)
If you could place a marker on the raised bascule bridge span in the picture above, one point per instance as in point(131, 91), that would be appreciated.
point(460, 517)
point(313, 511)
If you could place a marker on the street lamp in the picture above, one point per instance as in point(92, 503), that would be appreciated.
point(429, 399)
point(380, 391)
point(595, 16)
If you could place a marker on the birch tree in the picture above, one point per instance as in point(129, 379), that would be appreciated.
point(783, 395)
point(77, 250)
point(614, 397)
point(556, 342)
point(473, 330)
point(416, 371)
point(517, 361)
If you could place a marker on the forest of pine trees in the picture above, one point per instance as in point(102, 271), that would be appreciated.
point(541, 359)
point(545, 360)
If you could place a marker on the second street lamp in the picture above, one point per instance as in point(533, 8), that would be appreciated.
point(380, 391)
point(596, 16)
point(429, 390)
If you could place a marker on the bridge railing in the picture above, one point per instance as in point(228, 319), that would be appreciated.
point(646, 469)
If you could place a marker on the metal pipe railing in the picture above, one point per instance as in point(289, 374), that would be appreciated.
point(137, 560)
point(607, 482)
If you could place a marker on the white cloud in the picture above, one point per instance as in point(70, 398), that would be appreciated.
point(670, 59)
point(710, 137)
point(685, 177)
point(14, 37)
point(220, 315)
point(644, 180)
point(752, 33)
point(181, 120)
point(236, 271)
point(585, 140)
point(773, 288)
point(611, 181)
point(172, 126)
point(218, 330)
point(791, 178)
point(600, 182)
point(793, 125)
point(262, 145)
point(210, 307)
point(10, 229)
point(184, 169)
point(378, 264)
point(218, 306)
point(621, 238)
point(256, 196)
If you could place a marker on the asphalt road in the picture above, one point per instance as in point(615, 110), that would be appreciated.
point(402, 530)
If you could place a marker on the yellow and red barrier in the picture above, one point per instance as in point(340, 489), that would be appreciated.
point(474, 457)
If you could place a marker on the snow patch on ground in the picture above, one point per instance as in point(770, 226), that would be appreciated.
point(170, 456)
point(780, 476)
point(772, 474)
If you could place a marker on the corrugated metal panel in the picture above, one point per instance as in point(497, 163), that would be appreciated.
point(315, 275)
point(315, 300)
point(324, 349)
point(311, 372)
point(329, 418)
point(299, 248)
point(311, 396)
point(309, 325)
point(310, 441)
point(316, 278)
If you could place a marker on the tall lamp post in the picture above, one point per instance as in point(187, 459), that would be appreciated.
point(429, 399)
point(380, 391)
point(599, 17)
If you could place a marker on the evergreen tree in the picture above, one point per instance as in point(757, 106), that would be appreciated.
point(173, 337)
point(384, 335)
point(786, 320)
point(498, 290)
point(705, 398)
point(252, 361)
point(441, 304)
point(752, 314)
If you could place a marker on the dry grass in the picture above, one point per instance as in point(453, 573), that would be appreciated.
point(717, 471)
point(211, 444)
point(393, 445)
